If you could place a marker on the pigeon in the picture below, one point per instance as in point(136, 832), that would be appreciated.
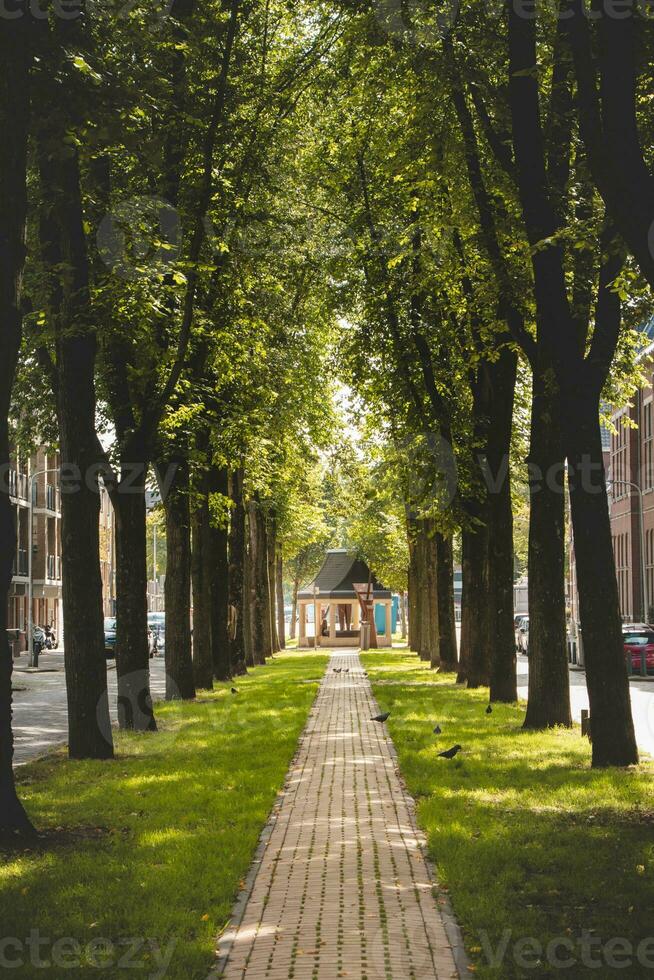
point(234, 691)
point(489, 709)
point(346, 670)
point(365, 673)
point(383, 717)
point(337, 670)
point(450, 753)
point(437, 730)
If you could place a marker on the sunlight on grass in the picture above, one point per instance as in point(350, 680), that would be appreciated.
point(524, 835)
point(169, 826)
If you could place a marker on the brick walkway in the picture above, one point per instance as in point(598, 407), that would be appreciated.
point(341, 887)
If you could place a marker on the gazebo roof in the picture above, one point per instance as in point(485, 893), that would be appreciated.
point(336, 579)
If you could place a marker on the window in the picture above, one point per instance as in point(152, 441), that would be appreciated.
point(619, 458)
point(620, 552)
point(647, 476)
point(649, 571)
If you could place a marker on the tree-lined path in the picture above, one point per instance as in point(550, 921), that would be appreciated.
point(342, 887)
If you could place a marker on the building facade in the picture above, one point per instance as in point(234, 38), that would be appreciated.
point(35, 494)
point(631, 475)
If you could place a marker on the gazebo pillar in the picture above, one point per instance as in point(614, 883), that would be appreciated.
point(356, 611)
point(389, 624)
point(332, 621)
point(302, 639)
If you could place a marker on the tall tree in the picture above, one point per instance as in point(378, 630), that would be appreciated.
point(16, 56)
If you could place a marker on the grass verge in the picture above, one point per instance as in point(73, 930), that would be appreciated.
point(529, 841)
point(144, 855)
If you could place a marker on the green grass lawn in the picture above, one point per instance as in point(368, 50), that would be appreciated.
point(160, 839)
point(527, 839)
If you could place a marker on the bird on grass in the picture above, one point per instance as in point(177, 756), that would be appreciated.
point(489, 709)
point(437, 730)
point(450, 753)
point(234, 691)
point(383, 717)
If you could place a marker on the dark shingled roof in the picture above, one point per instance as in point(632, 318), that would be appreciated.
point(336, 577)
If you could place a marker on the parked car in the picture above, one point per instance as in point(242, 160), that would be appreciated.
point(110, 637)
point(157, 624)
point(636, 645)
point(522, 636)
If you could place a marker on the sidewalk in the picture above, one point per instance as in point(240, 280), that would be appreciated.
point(341, 887)
point(49, 661)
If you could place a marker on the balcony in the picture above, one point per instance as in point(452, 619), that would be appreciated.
point(20, 566)
point(17, 485)
point(53, 568)
point(49, 500)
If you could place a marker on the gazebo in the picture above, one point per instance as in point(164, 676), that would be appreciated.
point(333, 597)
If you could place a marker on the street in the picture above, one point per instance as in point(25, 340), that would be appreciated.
point(40, 711)
point(642, 702)
point(40, 703)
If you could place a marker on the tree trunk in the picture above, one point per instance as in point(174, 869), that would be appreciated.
point(279, 582)
point(179, 661)
point(15, 56)
point(236, 574)
point(219, 586)
point(293, 623)
point(201, 571)
point(474, 661)
point(135, 710)
point(467, 606)
point(614, 742)
point(549, 682)
point(248, 638)
point(258, 585)
point(68, 301)
point(503, 679)
point(414, 591)
point(446, 617)
point(431, 549)
point(423, 607)
point(403, 615)
point(272, 581)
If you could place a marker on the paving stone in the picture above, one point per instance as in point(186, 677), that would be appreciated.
point(342, 888)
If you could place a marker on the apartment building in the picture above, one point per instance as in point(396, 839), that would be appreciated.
point(631, 476)
point(35, 495)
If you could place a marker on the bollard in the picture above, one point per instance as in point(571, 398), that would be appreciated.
point(585, 723)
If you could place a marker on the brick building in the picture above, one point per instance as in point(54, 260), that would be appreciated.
point(632, 479)
point(35, 495)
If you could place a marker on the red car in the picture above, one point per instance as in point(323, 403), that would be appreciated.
point(635, 644)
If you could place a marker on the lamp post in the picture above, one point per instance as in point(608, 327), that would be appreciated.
point(316, 593)
point(30, 548)
point(154, 563)
point(641, 530)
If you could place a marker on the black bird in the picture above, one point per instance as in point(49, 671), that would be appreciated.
point(489, 709)
point(337, 670)
point(346, 670)
point(437, 730)
point(450, 753)
point(383, 717)
point(234, 691)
